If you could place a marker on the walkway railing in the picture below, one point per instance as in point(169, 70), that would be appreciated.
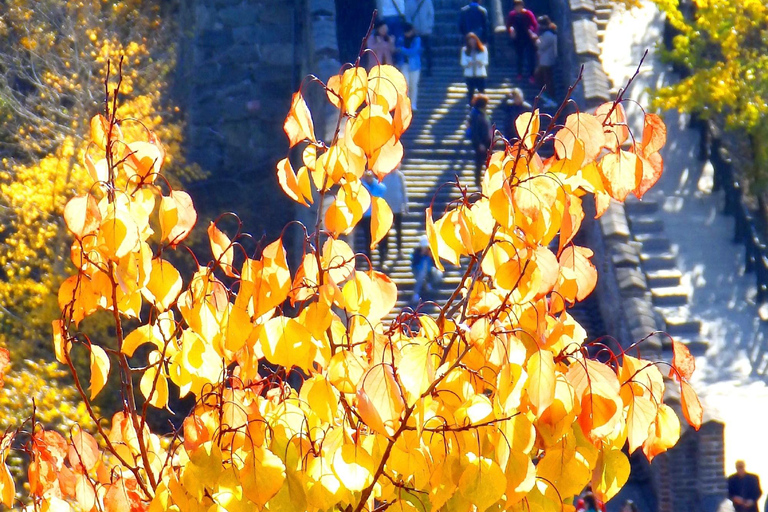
point(747, 231)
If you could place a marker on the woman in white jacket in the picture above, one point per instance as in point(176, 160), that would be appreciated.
point(474, 60)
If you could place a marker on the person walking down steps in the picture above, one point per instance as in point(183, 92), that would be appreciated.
point(474, 60)
point(421, 14)
point(396, 196)
point(522, 28)
point(514, 105)
point(547, 52)
point(409, 61)
point(474, 18)
point(479, 133)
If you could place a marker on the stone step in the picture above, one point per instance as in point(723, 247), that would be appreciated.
point(636, 207)
point(653, 242)
point(646, 224)
point(682, 327)
point(658, 261)
point(670, 296)
point(663, 277)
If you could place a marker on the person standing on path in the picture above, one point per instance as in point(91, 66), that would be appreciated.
point(409, 62)
point(473, 18)
point(392, 12)
point(479, 133)
point(376, 189)
point(744, 489)
point(396, 196)
point(421, 14)
point(514, 105)
point(522, 28)
point(381, 45)
point(547, 52)
point(425, 274)
point(474, 60)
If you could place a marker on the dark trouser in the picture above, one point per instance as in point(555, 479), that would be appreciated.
point(544, 79)
point(397, 223)
point(474, 83)
point(365, 227)
point(426, 43)
point(526, 55)
point(481, 153)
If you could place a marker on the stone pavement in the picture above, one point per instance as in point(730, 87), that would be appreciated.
point(730, 376)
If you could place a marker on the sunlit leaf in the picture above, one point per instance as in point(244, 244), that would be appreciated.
point(99, 369)
point(298, 124)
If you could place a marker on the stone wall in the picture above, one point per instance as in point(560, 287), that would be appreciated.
point(239, 62)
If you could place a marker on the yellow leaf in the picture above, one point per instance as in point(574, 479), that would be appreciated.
point(482, 483)
point(611, 474)
point(262, 475)
point(576, 259)
point(82, 215)
point(154, 385)
point(100, 128)
point(354, 84)
point(298, 124)
point(338, 259)
point(164, 284)
point(417, 368)
point(289, 182)
point(177, 217)
point(379, 400)
point(345, 370)
point(384, 85)
point(664, 433)
point(321, 397)
point(118, 234)
point(285, 342)
point(354, 467)
point(99, 369)
point(527, 125)
point(381, 220)
point(146, 333)
point(541, 380)
point(61, 346)
point(622, 173)
point(222, 249)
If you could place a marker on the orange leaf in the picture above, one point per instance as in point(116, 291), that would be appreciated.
point(222, 249)
point(653, 166)
point(289, 182)
point(572, 218)
point(386, 158)
point(82, 215)
point(384, 85)
point(622, 173)
point(5, 360)
point(145, 159)
point(354, 84)
point(654, 134)
point(664, 432)
point(84, 451)
point(683, 363)
point(541, 380)
point(372, 128)
point(177, 217)
point(298, 124)
point(691, 405)
point(99, 128)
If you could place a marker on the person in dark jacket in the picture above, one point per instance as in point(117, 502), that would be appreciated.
point(744, 489)
point(480, 133)
point(523, 30)
point(474, 18)
point(514, 105)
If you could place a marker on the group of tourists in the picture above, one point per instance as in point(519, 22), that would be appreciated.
point(534, 41)
point(400, 36)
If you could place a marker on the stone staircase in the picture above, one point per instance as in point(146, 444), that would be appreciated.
point(658, 258)
point(436, 152)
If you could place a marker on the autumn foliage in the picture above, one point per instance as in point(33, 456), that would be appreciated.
point(496, 403)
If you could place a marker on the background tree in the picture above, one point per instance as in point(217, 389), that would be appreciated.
point(723, 46)
point(305, 396)
point(53, 56)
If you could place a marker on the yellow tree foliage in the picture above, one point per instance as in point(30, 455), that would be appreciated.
point(53, 54)
point(723, 44)
point(496, 403)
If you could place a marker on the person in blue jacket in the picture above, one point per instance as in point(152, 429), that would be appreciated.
point(376, 189)
point(409, 61)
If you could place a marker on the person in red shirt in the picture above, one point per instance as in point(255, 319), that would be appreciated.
point(523, 28)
